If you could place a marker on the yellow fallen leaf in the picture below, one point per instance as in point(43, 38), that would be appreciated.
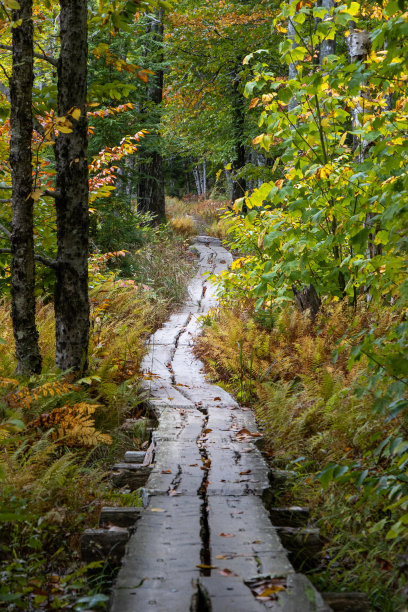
point(157, 510)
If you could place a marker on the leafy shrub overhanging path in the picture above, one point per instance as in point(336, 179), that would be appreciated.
point(205, 537)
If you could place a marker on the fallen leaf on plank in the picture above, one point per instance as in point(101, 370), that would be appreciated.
point(243, 432)
point(271, 591)
point(227, 572)
point(227, 535)
point(204, 566)
point(157, 510)
point(245, 472)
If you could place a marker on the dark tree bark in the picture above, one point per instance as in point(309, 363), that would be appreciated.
point(307, 299)
point(238, 118)
point(22, 241)
point(150, 193)
point(71, 287)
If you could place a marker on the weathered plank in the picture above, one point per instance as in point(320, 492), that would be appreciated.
point(119, 516)
point(104, 544)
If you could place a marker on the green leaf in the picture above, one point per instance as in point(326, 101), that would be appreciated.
point(12, 4)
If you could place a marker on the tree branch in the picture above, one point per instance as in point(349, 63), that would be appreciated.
point(5, 231)
point(50, 194)
point(41, 56)
point(46, 261)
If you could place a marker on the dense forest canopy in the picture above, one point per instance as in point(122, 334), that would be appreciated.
point(124, 123)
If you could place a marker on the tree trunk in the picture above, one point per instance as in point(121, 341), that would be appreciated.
point(307, 299)
point(239, 183)
point(187, 175)
point(150, 196)
point(292, 72)
point(22, 241)
point(359, 47)
point(71, 287)
point(151, 187)
point(197, 179)
point(204, 179)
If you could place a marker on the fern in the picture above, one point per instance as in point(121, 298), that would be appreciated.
point(25, 397)
point(72, 425)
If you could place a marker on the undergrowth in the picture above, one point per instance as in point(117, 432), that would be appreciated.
point(204, 214)
point(58, 437)
point(315, 408)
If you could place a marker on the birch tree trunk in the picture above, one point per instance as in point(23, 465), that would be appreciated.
point(197, 179)
point(239, 184)
point(359, 47)
point(327, 47)
point(204, 179)
point(22, 241)
point(292, 72)
point(71, 287)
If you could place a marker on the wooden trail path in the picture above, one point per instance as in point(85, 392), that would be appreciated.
point(204, 541)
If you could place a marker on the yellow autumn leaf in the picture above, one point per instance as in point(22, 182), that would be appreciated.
point(258, 139)
point(76, 113)
point(36, 194)
point(254, 102)
point(353, 9)
point(64, 129)
point(342, 139)
point(237, 263)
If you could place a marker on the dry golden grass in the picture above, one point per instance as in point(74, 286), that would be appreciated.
point(185, 226)
point(205, 212)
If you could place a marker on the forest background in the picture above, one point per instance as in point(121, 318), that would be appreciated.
point(294, 118)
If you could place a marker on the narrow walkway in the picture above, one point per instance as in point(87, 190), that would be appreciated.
point(204, 538)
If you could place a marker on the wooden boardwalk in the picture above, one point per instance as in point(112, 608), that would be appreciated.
point(204, 541)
